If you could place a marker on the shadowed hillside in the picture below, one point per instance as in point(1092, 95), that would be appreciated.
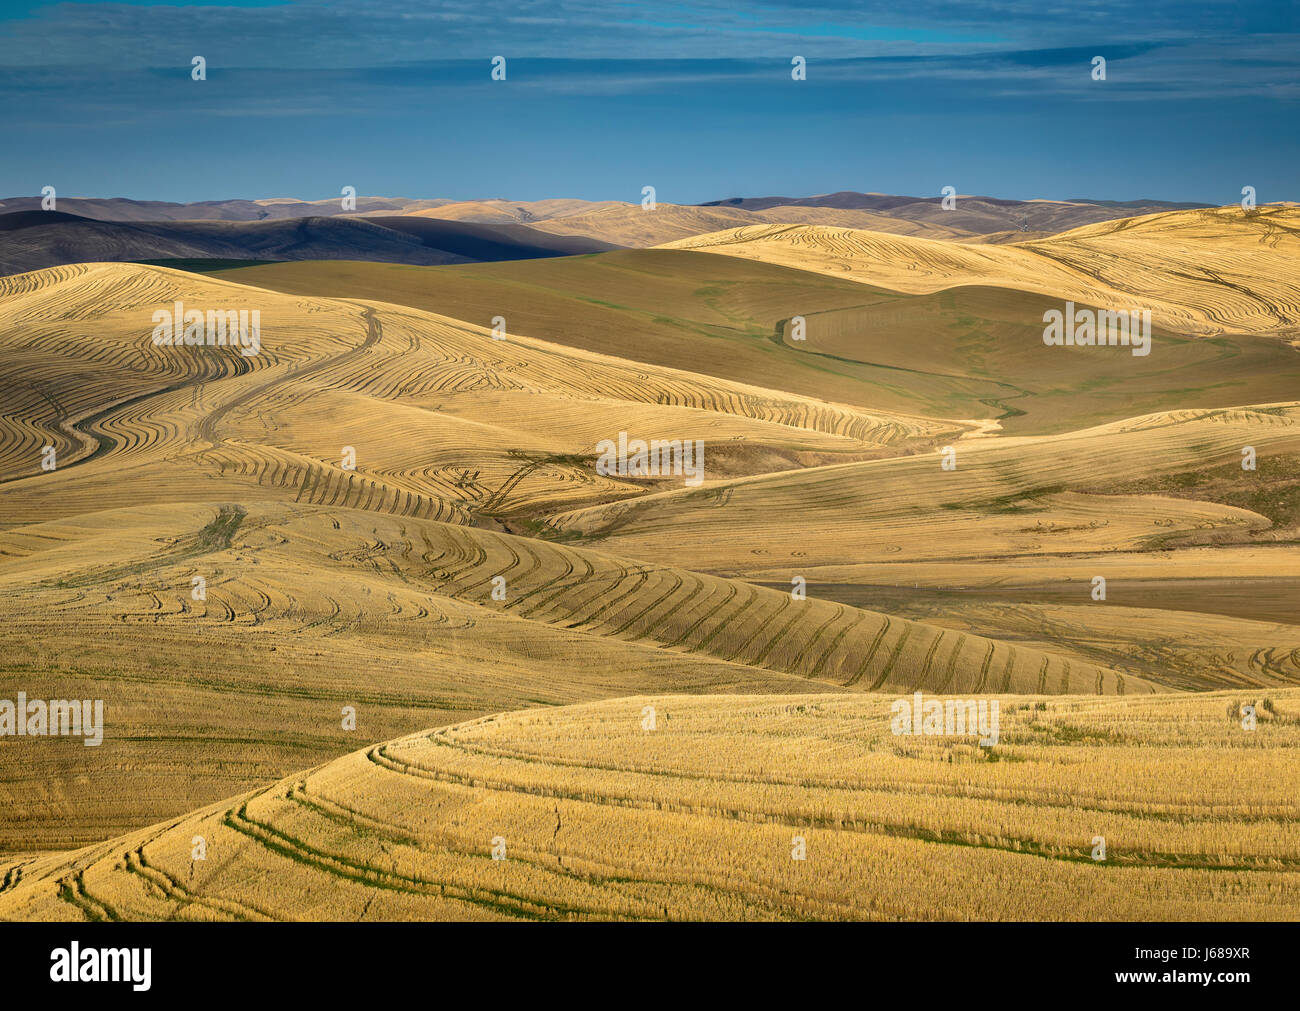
point(37, 239)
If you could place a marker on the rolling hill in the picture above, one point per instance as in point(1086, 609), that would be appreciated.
point(972, 219)
point(306, 609)
point(972, 349)
point(489, 242)
point(1033, 513)
point(1209, 272)
point(522, 212)
point(448, 426)
point(631, 225)
point(735, 808)
point(996, 485)
point(444, 419)
point(279, 570)
point(637, 227)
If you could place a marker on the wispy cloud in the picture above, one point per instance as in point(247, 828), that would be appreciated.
point(598, 91)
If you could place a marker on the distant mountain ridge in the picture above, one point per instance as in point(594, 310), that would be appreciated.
point(987, 219)
point(125, 209)
point(428, 232)
point(34, 240)
point(498, 210)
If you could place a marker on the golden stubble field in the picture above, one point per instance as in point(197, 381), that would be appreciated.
point(394, 514)
point(745, 808)
point(1215, 271)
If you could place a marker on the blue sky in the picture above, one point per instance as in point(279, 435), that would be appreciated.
point(600, 99)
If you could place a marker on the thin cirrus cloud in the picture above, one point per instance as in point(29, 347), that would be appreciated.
point(337, 33)
point(895, 98)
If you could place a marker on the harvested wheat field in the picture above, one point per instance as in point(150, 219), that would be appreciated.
point(278, 570)
point(443, 420)
point(999, 497)
point(773, 807)
point(1224, 270)
point(309, 609)
point(627, 224)
point(967, 346)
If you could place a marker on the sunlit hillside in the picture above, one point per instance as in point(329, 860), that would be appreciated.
point(1224, 270)
point(663, 807)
